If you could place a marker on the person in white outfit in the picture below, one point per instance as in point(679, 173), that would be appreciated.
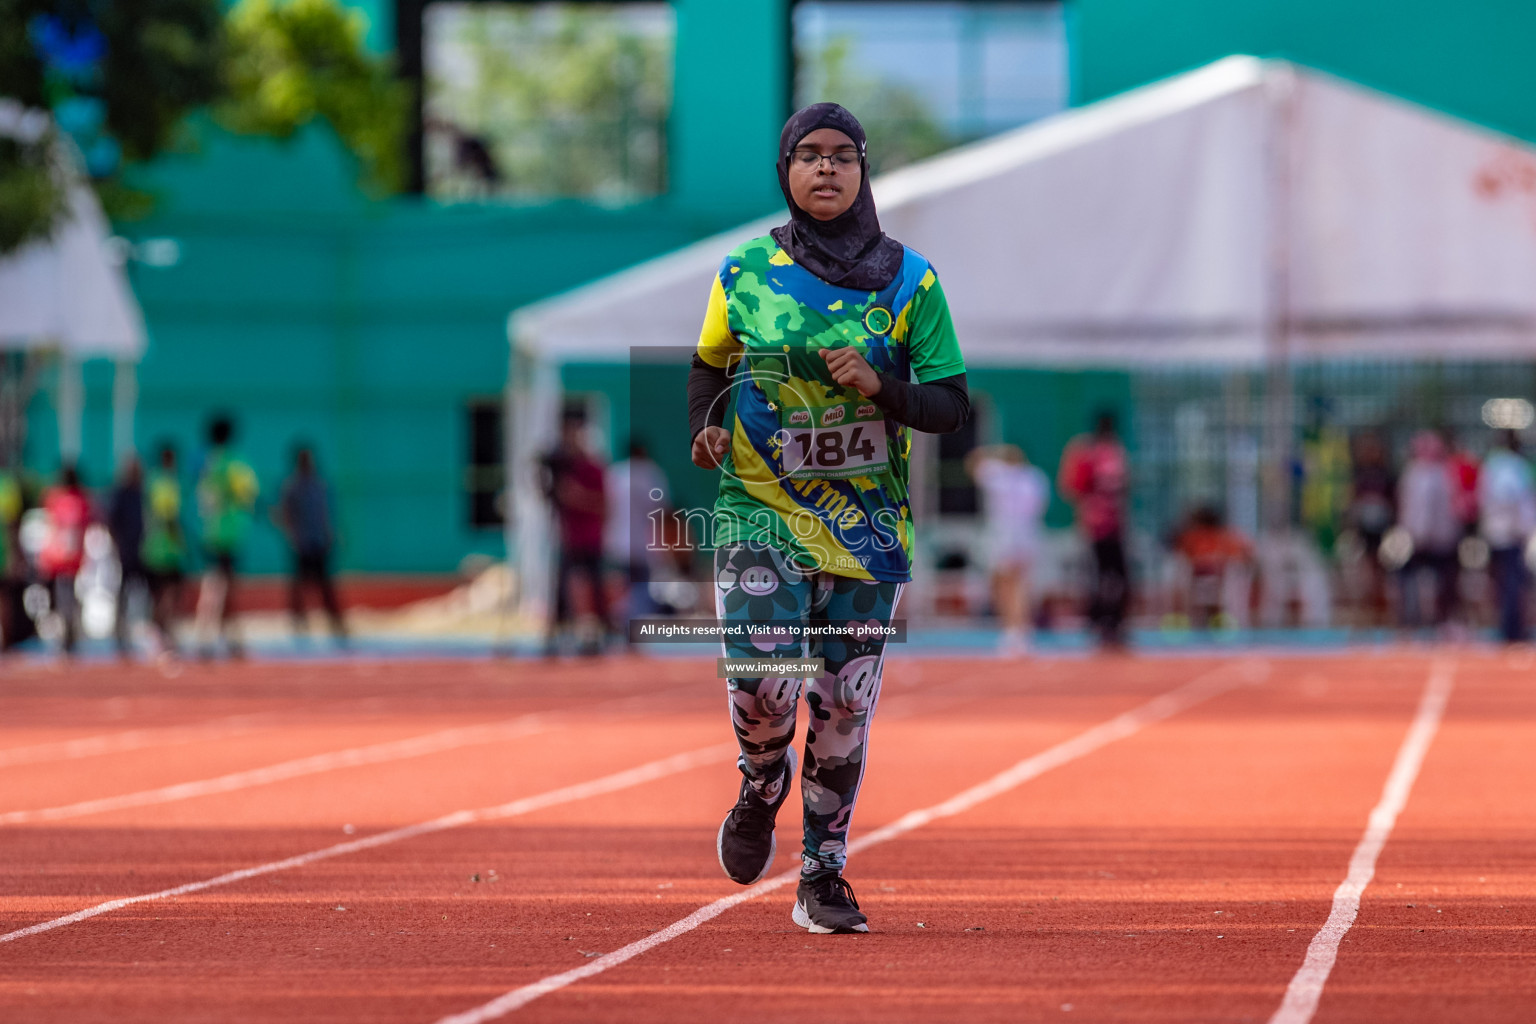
point(1426, 510)
point(1506, 495)
point(1014, 497)
point(638, 492)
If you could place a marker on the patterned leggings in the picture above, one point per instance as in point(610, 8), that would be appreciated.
point(758, 585)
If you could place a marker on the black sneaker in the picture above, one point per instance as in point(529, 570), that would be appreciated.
point(825, 904)
point(746, 844)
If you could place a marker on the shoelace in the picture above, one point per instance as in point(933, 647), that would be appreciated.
point(834, 891)
point(752, 821)
point(753, 818)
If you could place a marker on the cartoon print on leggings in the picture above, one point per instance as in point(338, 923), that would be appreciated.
point(758, 585)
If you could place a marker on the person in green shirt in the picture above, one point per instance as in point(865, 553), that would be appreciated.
point(226, 498)
point(835, 342)
point(164, 550)
point(15, 625)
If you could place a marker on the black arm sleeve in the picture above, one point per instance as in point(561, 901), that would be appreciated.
point(939, 407)
point(706, 396)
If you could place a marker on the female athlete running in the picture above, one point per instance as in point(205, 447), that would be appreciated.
point(819, 329)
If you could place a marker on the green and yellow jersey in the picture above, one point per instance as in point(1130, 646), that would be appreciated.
point(164, 549)
point(226, 496)
point(815, 469)
point(11, 506)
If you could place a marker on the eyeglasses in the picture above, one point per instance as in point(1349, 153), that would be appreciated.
point(808, 158)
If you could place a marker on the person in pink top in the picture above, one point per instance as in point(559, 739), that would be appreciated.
point(1094, 477)
point(573, 479)
point(69, 512)
point(1463, 466)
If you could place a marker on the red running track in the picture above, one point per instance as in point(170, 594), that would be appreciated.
point(1175, 871)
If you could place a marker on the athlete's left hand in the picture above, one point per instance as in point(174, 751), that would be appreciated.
point(849, 369)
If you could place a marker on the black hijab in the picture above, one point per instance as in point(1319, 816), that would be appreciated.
point(849, 250)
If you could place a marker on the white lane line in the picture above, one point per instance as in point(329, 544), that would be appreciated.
point(416, 746)
point(526, 805)
point(607, 784)
point(1201, 688)
point(419, 746)
point(132, 739)
point(1306, 987)
point(139, 739)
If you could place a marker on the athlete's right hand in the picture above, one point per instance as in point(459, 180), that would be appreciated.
point(710, 446)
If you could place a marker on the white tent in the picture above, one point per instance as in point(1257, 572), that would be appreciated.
point(70, 293)
point(1246, 213)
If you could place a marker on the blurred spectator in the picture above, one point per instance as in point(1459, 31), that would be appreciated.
point(1426, 507)
point(1094, 476)
point(226, 497)
point(1372, 510)
point(1212, 551)
point(69, 513)
point(638, 490)
point(1325, 486)
point(1507, 496)
point(164, 550)
point(573, 480)
point(125, 522)
point(1463, 468)
point(1014, 497)
point(304, 516)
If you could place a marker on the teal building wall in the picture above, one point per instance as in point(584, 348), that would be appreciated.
point(310, 312)
point(1471, 59)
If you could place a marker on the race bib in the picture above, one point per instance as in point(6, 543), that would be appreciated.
point(833, 442)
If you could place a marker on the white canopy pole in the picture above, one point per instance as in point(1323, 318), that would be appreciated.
point(534, 407)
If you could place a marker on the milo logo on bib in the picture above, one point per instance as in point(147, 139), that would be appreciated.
point(833, 442)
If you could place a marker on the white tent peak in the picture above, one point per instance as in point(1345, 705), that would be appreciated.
point(959, 166)
point(67, 291)
point(1039, 139)
point(1215, 215)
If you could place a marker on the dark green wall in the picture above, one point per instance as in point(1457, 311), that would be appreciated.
point(1475, 59)
point(1041, 410)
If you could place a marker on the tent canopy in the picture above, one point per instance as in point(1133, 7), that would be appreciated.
point(68, 292)
point(1242, 214)
point(1241, 211)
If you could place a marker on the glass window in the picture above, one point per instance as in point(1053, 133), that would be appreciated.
point(924, 76)
point(546, 100)
point(485, 474)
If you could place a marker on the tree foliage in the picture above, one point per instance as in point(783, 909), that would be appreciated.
point(119, 78)
point(31, 196)
point(898, 123)
point(291, 62)
point(147, 62)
